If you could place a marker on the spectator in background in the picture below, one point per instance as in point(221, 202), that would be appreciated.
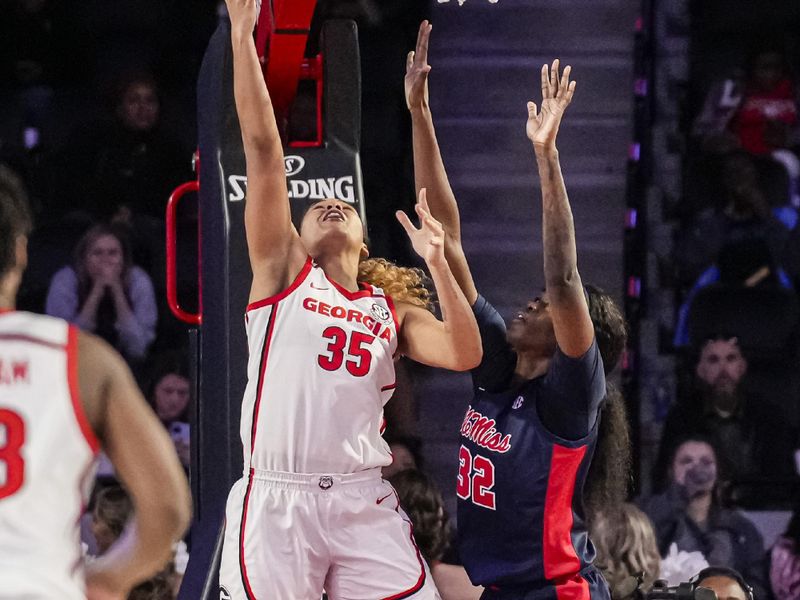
point(689, 515)
point(105, 294)
point(757, 112)
point(626, 547)
point(169, 392)
point(784, 571)
point(422, 501)
point(752, 442)
point(406, 451)
point(112, 510)
point(742, 216)
point(726, 583)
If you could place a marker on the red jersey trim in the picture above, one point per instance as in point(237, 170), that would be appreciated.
point(74, 390)
point(7, 310)
point(261, 376)
point(301, 276)
point(391, 386)
point(15, 337)
point(561, 563)
point(365, 290)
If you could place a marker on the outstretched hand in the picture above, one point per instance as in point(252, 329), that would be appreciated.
point(243, 15)
point(417, 69)
point(428, 240)
point(542, 127)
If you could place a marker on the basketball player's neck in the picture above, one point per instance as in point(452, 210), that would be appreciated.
point(531, 365)
point(341, 268)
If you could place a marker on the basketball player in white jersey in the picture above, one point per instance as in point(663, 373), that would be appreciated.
point(312, 511)
point(64, 395)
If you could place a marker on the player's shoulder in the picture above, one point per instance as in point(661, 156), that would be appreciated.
point(96, 356)
point(35, 328)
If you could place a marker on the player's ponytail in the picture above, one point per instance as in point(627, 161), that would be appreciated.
point(403, 284)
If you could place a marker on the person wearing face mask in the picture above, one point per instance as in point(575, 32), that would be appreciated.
point(105, 294)
point(752, 441)
point(690, 515)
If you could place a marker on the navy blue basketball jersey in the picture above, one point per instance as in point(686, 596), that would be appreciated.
point(521, 528)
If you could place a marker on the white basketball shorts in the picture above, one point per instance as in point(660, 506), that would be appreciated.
point(289, 536)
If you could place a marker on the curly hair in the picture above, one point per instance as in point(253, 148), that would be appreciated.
point(403, 284)
point(15, 217)
point(626, 546)
point(422, 501)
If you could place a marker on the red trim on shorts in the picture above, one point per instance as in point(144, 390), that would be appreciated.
point(301, 276)
point(421, 581)
point(561, 563)
point(15, 337)
point(262, 370)
point(248, 590)
point(74, 390)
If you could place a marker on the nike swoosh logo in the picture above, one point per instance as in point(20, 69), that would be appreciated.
point(379, 500)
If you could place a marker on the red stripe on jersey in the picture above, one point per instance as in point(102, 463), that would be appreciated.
point(561, 564)
point(301, 276)
point(421, 581)
point(262, 370)
point(74, 390)
point(391, 386)
point(242, 566)
point(14, 337)
point(6, 310)
point(364, 291)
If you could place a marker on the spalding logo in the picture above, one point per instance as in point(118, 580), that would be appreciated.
point(379, 312)
point(293, 164)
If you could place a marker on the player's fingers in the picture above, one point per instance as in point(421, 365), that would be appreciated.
point(409, 61)
point(554, 78)
point(422, 42)
point(563, 85)
point(570, 91)
point(405, 222)
point(545, 82)
point(532, 110)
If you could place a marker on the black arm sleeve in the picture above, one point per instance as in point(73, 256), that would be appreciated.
point(572, 392)
point(496, 369)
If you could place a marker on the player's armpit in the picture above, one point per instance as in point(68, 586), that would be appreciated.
point(432, 342)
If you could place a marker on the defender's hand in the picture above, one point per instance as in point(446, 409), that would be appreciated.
point(542, 127)
point(417, 69)
point(428, 240)
point(243, 14)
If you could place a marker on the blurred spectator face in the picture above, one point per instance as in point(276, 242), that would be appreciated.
point(721, 365)
point(532, 328)
point(695, 467)
point(768, 70)
point(104, 257)
point(725, 588)
point(139, 107)
point(171, 397)
point(402, 459)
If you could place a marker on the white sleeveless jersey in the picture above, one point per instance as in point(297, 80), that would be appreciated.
point(320, 370)
point(47, 452)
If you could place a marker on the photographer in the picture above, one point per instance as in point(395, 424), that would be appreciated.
point(726, 583)
point(689, 515)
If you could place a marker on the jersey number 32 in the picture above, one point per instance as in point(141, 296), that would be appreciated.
point(475, 479)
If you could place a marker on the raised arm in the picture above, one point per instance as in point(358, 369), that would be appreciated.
point(454, 342)
point(145, 459)
point(429, 172)
point(570, 313)
point(276, 253)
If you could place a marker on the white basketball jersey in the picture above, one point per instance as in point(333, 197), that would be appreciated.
point(47, 451)
point(320, 371)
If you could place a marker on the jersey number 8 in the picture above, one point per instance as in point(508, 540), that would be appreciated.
point(475, 479)
point(11, 440)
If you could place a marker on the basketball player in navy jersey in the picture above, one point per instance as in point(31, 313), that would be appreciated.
point(529, 436)
point(64, 395)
